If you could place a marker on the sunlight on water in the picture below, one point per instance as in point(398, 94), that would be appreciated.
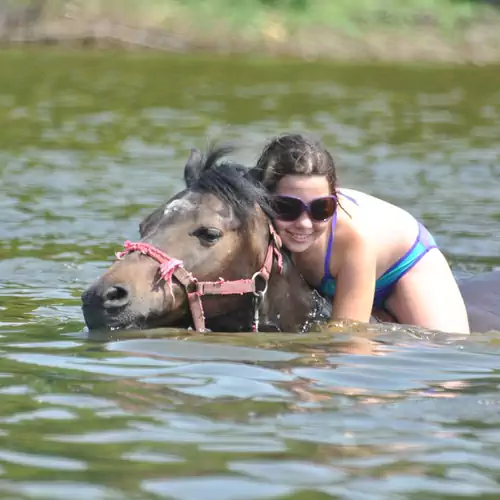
point(91, 143)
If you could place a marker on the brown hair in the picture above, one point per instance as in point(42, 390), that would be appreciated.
point(294, 154)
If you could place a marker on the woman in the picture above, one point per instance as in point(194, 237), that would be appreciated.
point(363, 252)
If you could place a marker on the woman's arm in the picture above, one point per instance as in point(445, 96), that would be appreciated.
point(355, 281)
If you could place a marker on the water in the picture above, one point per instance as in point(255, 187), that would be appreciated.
point(90, 143)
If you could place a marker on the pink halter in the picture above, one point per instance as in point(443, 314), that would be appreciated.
point(170, 267)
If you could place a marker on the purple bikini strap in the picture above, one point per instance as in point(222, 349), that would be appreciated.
point(350, 198)
point(330, 240)
point(330, 245)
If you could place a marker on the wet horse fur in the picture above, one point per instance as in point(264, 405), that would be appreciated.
point(481, 294)
point(219, 228)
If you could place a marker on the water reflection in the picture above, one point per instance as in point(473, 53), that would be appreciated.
point(253, 410)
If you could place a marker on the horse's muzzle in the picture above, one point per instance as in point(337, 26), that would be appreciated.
point(107, 306)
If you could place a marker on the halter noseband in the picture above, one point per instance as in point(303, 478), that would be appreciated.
point(170, 267)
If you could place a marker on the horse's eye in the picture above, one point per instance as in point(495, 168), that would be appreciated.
point(208, 235)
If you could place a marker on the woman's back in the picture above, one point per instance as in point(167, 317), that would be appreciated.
point(391, 229)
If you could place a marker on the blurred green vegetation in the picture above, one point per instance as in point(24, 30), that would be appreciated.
point(307, 26)
point(248, 14)
point(251, 14)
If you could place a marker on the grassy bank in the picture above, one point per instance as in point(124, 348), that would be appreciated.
point(457, 31)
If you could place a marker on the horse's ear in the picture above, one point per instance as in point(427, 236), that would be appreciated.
point(193, 165)
point(255, 174)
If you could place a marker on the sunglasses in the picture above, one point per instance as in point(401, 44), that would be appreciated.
point(289, 208)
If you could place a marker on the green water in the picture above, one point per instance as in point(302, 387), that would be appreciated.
point(90, 143)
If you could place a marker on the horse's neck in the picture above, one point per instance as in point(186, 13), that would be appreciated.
point(233, 320)
point(291, 303)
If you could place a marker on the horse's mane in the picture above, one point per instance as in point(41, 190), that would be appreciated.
point(229, 181)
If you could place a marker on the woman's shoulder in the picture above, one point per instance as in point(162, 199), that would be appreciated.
point(372, 204)
point(380, 225)
point(357, 196)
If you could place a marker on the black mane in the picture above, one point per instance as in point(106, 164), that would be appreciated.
point(229, 181)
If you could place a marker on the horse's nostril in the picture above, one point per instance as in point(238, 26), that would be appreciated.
point(116, 296)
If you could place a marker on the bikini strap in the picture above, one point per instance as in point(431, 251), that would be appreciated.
point(330, 245)
point(330, 240)
point(350, 198)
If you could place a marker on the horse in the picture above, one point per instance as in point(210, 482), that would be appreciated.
point(207, 259)
point(481, 294)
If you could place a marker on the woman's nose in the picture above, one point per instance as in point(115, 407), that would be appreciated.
point(304, 220)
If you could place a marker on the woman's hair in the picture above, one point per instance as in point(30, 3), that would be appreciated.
point(294, 154)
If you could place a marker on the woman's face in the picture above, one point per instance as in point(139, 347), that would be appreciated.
point(298, 235)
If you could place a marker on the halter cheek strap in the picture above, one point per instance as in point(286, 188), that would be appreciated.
point(170, 267)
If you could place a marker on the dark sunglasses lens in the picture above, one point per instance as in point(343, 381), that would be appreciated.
point(287, 209)
point(323, 208)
